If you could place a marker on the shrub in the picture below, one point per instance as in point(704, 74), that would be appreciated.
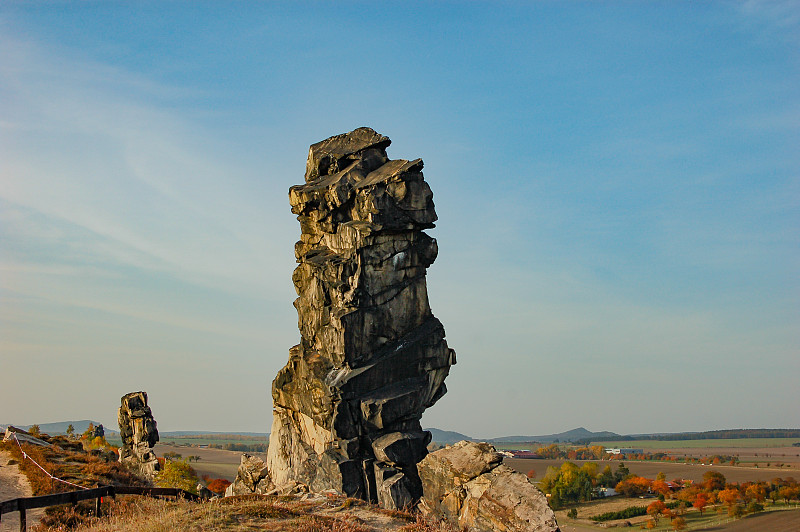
point(218, 485)
point(177, 474)
point(573, 513)
point(755, 507)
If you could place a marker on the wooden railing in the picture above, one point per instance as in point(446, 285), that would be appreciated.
point(73, 497)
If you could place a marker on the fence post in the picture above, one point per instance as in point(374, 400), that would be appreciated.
point(23, 521)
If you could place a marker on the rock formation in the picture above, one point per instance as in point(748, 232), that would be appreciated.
point(467, 486)
point(139, 434)
point(251, 477)
point(372, 357)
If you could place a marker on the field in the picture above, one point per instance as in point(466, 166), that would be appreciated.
point(202, 439)
point(702, 444)
point(651, 469)
point(213, 462)
point(779, 519)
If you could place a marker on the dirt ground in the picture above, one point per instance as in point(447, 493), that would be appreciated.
point(14, 484)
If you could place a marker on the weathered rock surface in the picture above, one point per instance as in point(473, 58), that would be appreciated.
point(251, 477)
point(139, 434)
point(372, 357)
point(13, 433)
point(466, 485)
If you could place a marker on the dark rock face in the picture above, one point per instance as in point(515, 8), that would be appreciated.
point(139, 434)
point(372, 356)
point(468, 486)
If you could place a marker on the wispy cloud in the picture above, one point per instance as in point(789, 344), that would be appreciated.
point(98, 148)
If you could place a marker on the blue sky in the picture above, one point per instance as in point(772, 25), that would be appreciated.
point(617, 186)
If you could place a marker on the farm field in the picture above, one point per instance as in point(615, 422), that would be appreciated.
point(703, 444)
point(770, 520)
point(651, 469)
point(787, 520)
point(213, 462)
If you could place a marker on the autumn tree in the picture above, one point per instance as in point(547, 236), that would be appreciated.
point(729, 496)
point(679, 523)
point(218, 485)
point(788, 493)
point(700, 502)
point(736, 511)
point(661, 487)
point(70, 430)
point(35, 431)
point(713, 480)
point(655, 509)
point(756, 492)
point(634, 486)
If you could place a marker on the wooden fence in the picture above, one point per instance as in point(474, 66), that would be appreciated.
point(73, 497)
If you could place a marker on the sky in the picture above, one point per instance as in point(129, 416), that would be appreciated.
point(617, 184)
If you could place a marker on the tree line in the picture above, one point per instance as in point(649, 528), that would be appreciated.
point(729, 434)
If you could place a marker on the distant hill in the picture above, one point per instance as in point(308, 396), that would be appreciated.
point(60, 427)
point(444, 437)
point(707, 435)
point(573, 435)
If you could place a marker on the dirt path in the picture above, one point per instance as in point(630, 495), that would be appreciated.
point(14, 484)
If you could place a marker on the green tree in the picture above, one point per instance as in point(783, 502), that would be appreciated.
point(621, 473)
point(70, 430)
point(177, 474)
point(606, 478)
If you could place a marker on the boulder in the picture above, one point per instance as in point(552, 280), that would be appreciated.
point(467, 486)
point(372, 357)
point(251, 477)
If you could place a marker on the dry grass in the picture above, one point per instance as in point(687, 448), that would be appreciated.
point(70, 464)
point(251, 512)
point(303, 513)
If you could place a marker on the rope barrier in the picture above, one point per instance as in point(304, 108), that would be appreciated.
point(25, 455)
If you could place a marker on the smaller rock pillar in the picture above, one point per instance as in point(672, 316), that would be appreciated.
point(139, 434)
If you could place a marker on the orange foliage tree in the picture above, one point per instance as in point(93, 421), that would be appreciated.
point(729, 496)
point(634, 486)
point(655, 509)
point(700, 502)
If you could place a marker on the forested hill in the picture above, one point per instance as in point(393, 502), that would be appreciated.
point(707, 435)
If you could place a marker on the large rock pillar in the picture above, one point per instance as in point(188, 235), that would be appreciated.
point(372, 357)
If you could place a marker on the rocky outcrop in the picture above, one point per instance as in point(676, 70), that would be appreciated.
point(466, 485)
point(14, 434)
point(251, 477)
point(372, 357)
point(139, 434)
